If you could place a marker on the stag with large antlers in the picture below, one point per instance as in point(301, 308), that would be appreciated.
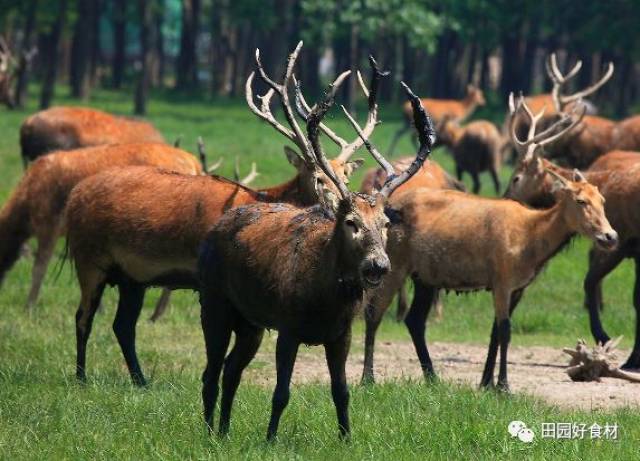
point(36, 206)
point(140, 227)
point(457, 241)
point(303, 272)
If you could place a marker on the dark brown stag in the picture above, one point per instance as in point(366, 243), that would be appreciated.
point(141, 227)
point(303, 272)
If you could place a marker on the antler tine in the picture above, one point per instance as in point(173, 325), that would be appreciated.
point(297, 136)
point(303, 109)
point(533, 120)
point(314, 119)
point(265, 112)
point(202, 153)
point(253, 174)
point(372, 114)
point(548, 140)
point(427, 137)
point(592, 89)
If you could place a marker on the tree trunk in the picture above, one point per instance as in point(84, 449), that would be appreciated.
point(51, 68)
point(159, 38)
point(187, 63)
point(354, 53)
point(96, 50)
point(510, 78)
point(142, 86)
point(25, 61)
point(119, 43)
point(81, 49)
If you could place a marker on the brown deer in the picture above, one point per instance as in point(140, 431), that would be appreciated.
point(458, 110)
point(532, 184)
point(66, 128)
point(36, 206)
point(615, 159)
point(303, 272)
point(141, 227)
point(431, 175)
point(452, 240)
point(476, 147)
point(8, 72)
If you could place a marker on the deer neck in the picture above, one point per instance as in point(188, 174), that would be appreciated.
point(470, 104)
point(547, 233)
point(288, 192)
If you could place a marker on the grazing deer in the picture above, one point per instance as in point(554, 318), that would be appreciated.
point(532, 184)
point(141, 227)
point(452, 240)
point(476, 147)
point(66, 128)
point(431, 175)
point(303, 272)
point(36, 206)
point(458, 110)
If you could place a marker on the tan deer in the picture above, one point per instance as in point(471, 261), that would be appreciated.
point(457, 110)
point(36, 206)
point(617, 176)
point(457, 241)
point(142, 227)
point(303, 272)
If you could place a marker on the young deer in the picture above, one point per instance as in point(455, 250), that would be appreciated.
point(532, 183)
point(303, 272)
point(458, 110)
point(66, 128)
point(476, 147)
point(36, 206)
point(452, 240)
point(142, 227)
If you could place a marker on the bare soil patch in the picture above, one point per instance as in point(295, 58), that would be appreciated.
point(537, 371)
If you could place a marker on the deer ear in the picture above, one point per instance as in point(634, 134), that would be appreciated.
point(352, 165)
point(578, 177)
point(294, 158)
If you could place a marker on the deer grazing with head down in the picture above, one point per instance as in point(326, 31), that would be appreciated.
point(457, 241)
point(617, 176)
point(67, 128)
point(456, 110)
point(141, 227)
point(36, 206)
point(301, 271)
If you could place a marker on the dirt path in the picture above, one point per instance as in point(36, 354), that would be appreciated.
point(538, 371)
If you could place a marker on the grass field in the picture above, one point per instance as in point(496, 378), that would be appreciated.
point(44, 413)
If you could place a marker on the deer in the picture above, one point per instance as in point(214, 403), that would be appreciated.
point(476, 147)
point(35, 208)
point(452, 240)
point(301, 271)
point(67, 128)
point(8, 72)
point(555, 103)
point(458, 110)
point(532, 182)
point(141, 227)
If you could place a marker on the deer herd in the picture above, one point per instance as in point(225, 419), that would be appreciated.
point(307, 256)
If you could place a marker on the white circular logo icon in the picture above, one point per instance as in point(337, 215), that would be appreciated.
point(526, 435)
point(515, 427)
point(519, 429)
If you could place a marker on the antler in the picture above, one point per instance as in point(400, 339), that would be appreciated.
point(548, 135)
point(559, 80)
point(202, 154)
point(348, 149)
point(253, 174)
point(426, 135)
point(6, 57)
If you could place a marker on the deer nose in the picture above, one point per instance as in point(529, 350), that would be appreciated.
point(608, 239)
point(375, 268)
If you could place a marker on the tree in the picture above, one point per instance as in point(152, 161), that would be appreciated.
point(144, 75)
point(119, 42)
point(187, 63)
point(52, 54)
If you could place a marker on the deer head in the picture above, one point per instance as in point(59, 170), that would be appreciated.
point(475, 95)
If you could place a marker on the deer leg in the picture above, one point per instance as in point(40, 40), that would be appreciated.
point(161, 305)
point(92, 286)
point(633, 362)
point(459, 172)
point(476, 182)
point(286, 352)
point(600, 264)
point(401, 310)
point(490, 364)
point(416, 322)
point(216, 320)
point(124, 326)
point(396, 137)
point(496, 180)
point(336, 354)
point(248, 339)
point(39, 270)
point(373, 317)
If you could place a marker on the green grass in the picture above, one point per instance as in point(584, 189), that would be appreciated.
point(44, 413)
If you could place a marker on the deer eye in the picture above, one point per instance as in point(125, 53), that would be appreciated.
point(581, 202)
point(351, 223)
point(516, 179)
